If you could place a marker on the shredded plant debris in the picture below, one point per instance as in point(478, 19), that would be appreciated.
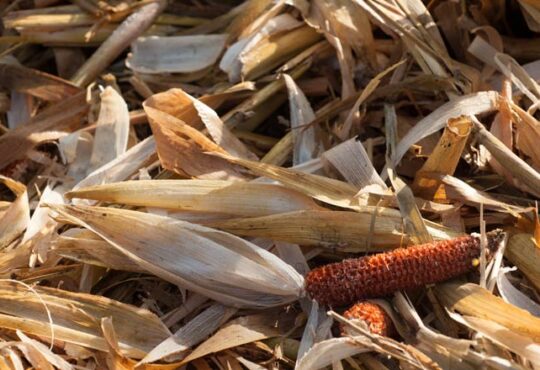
point(201, 184)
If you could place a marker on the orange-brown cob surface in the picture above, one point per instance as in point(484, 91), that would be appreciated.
point(376, 318)
point(351, 280)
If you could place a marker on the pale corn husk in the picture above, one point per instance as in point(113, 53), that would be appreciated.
point(132, 27)
point(193, 256)
point(175, 54)
point(16, 217)
point(322, 188)
point(245, 329)
point(47, 125)
point(191, 334)
point(111, 137)
point(414, 223)
point(231, 63)
point(274, 51)
point(73, 318)
point(306, 144)
point(123, 166)
point(86, 247)
point(227, 197)
point(352, 161)
point(472, 104)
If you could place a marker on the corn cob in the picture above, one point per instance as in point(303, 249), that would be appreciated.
point(376, 318)
point(351, 280)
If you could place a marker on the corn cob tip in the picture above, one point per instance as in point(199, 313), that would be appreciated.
point(373, 315)
point(494, 239)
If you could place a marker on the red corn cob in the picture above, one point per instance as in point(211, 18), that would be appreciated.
point(376, 318)
point(351, 280)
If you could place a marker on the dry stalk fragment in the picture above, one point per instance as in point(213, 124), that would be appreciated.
point(342, 283)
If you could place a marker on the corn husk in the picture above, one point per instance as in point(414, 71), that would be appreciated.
point(35, 83)
point(176, 54)
point(47, 125)
point(471, 300)
point(523, 252)
point(111, 137)
point(72, 316)
point(181, 241)
point(477, 103)
point(227, 197)
point(16, 217)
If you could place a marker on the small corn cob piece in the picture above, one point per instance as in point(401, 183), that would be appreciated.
point(376, 318)
point(351, 280)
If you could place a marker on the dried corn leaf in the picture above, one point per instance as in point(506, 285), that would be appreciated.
point(47, 125)
point(322, 188)
point(16, 217)
point(191, 334)
point(509, 339)
point(457, 189)
point(123, 166)
point(348, 231)
point(35, 83)
point(306, 145)
point(243, 330)
point(86, 247)
point(522, 173)
point(74, 318)
point(175, 54)
point(227, 197)
point(472, 104)
point(352, 161)
point(231, 62)
point(329, 352)
point(180, 155)
point(472, 300)
point(193, 256)
point(112, 130)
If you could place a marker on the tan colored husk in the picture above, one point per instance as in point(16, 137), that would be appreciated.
point(525, 254)
point(322, 188)
point(276, 50)
point(227, 197)
point(74, 318)
point(372, 229)
point(47, 125)
point(192, 256)
point(36, 83)
point(347, 231)
point(16, 217)
point(112, 130)
point(245, 329)
point(86, 247)
point(472, 300)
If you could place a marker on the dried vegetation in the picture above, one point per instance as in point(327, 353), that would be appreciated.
point(172, 170)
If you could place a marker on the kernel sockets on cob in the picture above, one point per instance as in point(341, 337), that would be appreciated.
point(376, 318)
point(351, 280)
